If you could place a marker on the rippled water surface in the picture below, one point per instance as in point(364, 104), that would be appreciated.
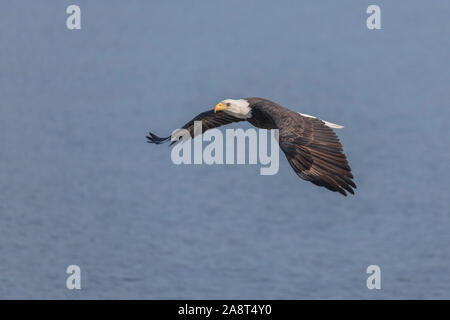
point(79, 185)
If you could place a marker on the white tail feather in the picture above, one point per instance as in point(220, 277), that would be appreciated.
point(328, 124)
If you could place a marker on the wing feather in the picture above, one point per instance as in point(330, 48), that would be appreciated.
point(209, 120)
point(315, 153)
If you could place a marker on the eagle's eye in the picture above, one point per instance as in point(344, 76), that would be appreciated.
point(228, 104)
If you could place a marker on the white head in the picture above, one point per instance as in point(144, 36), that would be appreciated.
point(237, 108)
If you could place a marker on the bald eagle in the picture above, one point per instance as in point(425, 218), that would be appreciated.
point(311, 147)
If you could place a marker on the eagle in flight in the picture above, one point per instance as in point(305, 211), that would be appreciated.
point(311, 147)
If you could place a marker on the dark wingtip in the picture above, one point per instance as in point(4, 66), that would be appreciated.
point(153, 138)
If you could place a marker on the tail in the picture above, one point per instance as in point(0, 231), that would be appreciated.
point(152, 138)
point(328, 124)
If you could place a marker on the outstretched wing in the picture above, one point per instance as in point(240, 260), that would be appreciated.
point(314, 152)
point(209, 120)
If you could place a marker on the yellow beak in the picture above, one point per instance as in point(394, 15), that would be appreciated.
point(219, 107)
